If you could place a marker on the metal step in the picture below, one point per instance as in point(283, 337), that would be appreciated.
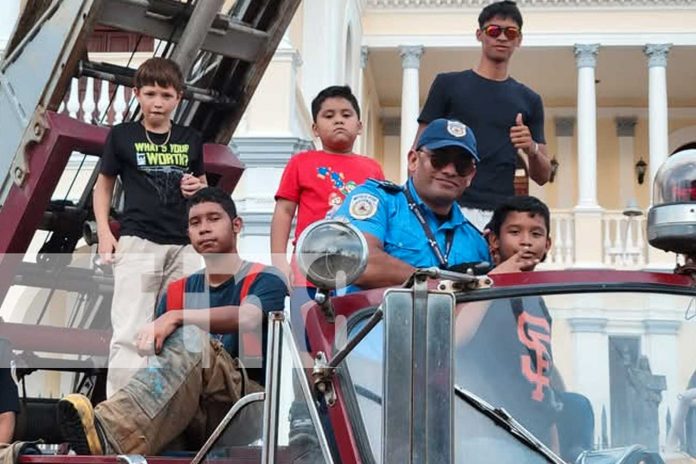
point(163, 19)
point(121, 75)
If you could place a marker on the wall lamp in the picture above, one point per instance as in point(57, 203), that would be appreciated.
point(641, 169)
point(554, 169)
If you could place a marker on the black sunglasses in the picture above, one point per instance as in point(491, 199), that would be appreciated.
point(439, 159)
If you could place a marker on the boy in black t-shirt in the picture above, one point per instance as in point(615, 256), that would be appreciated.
point(160, 164)
point(504, 346)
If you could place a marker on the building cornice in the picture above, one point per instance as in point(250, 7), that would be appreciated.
point(268, 152)
point(532, 39)
point(255, 223)
point(588, 324)
point(527, 4)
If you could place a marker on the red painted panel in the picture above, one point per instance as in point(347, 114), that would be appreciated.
point(591, 276)
point(32, 337)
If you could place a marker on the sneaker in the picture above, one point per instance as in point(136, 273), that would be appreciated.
point(77, 425)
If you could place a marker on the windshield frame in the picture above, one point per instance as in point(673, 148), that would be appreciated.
point(505, 286)
point(347, 386)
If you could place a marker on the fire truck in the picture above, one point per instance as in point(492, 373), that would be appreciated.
point(383, 375)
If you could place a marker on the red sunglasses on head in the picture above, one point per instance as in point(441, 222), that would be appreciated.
point(493, 30)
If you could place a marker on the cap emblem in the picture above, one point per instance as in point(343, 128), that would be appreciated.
point(456, 128)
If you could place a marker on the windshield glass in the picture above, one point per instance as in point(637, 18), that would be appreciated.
point(586, 371)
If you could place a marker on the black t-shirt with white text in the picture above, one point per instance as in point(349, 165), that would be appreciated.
point(151, 175)
point(489, 108)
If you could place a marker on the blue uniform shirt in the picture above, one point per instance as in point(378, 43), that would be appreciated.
point(383, 212)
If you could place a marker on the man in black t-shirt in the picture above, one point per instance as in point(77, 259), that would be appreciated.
point(9, 398)
point(506, 116)
point(504, 347)
point(9, 405)
point(160, 164)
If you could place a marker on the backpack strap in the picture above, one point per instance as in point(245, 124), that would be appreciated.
point(175, 294)
point(251, 345)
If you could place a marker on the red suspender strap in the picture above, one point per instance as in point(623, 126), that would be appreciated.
point(175, 294)
point(254, 271)
point(251, 344)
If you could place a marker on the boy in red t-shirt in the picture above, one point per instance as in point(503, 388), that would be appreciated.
point(315, 183)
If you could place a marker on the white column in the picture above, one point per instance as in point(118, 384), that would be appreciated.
point(410, 101)
point(587, 214)
point(364, 56)
point(10, 14)
point(586, 60)
point(657, 106)
point(324, 53)
point(564, 154)
point(591, 366)
point(625, 132)
point(662, 349)
point(360, 145)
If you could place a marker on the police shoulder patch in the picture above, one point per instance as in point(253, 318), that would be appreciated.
point(388, 186)
point(363, 206)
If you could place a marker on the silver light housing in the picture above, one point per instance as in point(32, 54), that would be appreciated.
point(672, 218)
point(331, 253)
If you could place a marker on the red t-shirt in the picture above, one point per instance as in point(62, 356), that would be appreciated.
point(318, 182)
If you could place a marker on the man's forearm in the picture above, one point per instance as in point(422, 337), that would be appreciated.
point(540, 165)
point(7, 425)
point(468, 318)
point(384, 270)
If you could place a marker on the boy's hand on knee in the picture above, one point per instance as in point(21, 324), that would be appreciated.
point(106, 247)
point(151, 338)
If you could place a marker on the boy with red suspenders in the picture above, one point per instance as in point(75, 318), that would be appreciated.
point(197, 342)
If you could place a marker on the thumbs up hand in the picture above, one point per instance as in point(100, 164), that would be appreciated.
point(521, 137)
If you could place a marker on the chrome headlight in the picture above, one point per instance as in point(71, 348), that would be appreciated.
point(331, 253)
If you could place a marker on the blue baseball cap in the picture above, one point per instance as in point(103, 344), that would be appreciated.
point(441, 133)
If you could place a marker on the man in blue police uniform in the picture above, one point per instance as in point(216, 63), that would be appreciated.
point(415, 225)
